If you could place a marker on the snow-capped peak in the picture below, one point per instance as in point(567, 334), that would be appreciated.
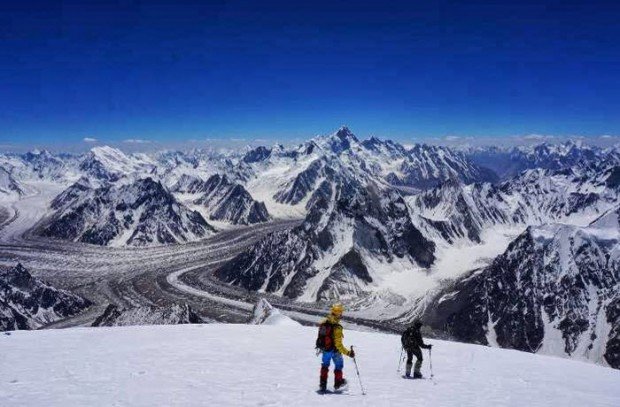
point(111, 164)
point(109, 155)
point(337, 142)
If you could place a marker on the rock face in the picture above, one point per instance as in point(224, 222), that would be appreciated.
point(256, 155)
point(28, 303)
point(555, 290)
point(188, 184)
point(174, 315)
point(137, 214)
point(348, 225)
point(228, 201)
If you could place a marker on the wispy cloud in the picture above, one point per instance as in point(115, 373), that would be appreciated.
point(537, 137)
point(452, 138)
point(89, 140)
point(136, 141)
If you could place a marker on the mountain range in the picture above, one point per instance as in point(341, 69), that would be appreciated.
point(513, 247)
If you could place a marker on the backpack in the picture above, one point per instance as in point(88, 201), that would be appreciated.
point(325, 340)
point(409, 339)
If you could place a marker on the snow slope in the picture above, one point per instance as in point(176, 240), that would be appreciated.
point(266, 365)
point(265, 314)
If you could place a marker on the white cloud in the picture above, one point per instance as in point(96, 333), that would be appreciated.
point(452, 138)
point(608, 136)
point(89, 140)
point(537, 137)
point(136, 141)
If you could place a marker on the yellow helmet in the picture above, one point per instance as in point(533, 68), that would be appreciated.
point(337, 309)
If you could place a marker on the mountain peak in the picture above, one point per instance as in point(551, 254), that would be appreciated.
point(344, 133)
point(337, 142)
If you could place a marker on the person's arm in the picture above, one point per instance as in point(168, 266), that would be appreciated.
point(421, 342)
point(338, 341)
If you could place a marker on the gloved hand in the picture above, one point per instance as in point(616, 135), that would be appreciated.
point(352, 353)
point(430, 347)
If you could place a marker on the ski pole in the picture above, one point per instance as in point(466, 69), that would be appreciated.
point(430, 359)
point(359, 378)
point(400, 360)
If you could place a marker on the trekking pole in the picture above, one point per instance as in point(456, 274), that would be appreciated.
point(359, 378)
point(400, 360)
point(430, 359)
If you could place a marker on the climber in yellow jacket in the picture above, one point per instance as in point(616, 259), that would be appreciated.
point(330, 343)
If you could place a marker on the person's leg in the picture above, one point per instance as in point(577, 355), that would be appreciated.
point(338, 366)
point(327, 357)
point(418, 362)
point(409, 364)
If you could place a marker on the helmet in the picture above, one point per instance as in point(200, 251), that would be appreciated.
point(337, 309)
point(417, 324)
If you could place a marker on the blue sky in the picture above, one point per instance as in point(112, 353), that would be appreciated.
point(169, 71)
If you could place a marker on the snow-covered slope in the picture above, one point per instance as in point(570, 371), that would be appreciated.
point(353, 237)
point(228, 201)
point(285, 178)
point(265, 314)
point(41, 165)
point(509, 161)
point(555, 290)
point(263, 365)
point(172, 166)
point(139, 213)
point(456, 211)
point(8, 186)
point(110, 164)
point(28, 303)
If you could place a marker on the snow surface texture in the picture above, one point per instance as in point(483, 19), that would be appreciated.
point(265, 314)
point(249, 365)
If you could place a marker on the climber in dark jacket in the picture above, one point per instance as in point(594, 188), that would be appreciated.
point(412, 342)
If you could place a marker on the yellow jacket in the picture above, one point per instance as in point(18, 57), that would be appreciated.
point(338, 334)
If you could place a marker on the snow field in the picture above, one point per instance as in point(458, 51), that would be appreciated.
point(262, 365)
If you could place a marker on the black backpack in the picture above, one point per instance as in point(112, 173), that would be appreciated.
point(409, 339)
point(325, 340)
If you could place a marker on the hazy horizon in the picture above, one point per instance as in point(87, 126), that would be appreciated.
point(147, 145)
